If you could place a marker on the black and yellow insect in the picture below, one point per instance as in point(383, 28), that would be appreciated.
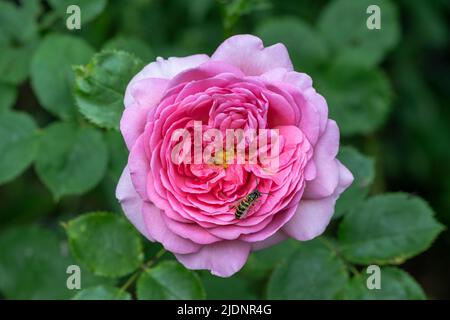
point(246, 204)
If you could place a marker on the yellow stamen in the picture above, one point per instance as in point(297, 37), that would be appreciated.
point(221, 157)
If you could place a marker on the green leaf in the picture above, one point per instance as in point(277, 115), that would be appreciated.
point(430, 24)
point(359, 100)
point(169, 280)
point(102, 292)
point(130, 44)
point(51, 72)
point(71, 160)
point(8, 96)
point(15, 211)
point(18, 22)
point(235, 9)
point(363, 169)
point(15, 63)
point(344, 24)
point(100, 86)
point(33, 264)
point(313, 271)
point(260, 263)
point(307, 48)
point(90, 9)
point(236, 287)
point(198, 9)
point(105, 243)
point(30, 266)
point(118, 154)
point(388, 228)
point(396, 284)
point(18, 144)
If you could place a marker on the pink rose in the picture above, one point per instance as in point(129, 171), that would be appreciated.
point(191, 208)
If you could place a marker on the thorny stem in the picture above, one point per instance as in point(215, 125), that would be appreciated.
point(141, 269)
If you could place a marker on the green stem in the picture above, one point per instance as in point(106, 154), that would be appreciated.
point(335, 250)
point(142, 268)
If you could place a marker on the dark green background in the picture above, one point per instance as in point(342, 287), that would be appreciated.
point(404, 90)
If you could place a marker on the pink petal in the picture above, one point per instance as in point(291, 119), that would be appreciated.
point(190, 231)
point(145, 92)
point(299, 80)
point(149, 84)
point(247, 52)
point(206, 70)
point(223, 258)
point(314, 108)
point(283, 109)
point(169, 68)
point(327, 171)
point(157, 228)
point(292, 134)
point(139, 167)
point(133, 123)
point(345, 178)
point(313, 216)
point(280, 219)
point(131, 202)
point(320, 104)
point(271, 241)
point(140, 97)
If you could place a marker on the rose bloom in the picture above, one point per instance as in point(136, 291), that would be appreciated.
point(189, 207)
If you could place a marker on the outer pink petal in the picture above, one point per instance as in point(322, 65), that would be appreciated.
point(314, 110)
point(300, 80)
point(140, 96)
point(162, 69)
point(325, 152)
point(223, 259)
point(271, 241)
point(313, 216)
point(191, 231)
point(145, 92)
point(131, 202)
point(169, 68)
point(139, 167)
point(205, 71)
point(320, 103)
point(132, 124)
point(345, 178)
point(157, 228)
point(247, 52)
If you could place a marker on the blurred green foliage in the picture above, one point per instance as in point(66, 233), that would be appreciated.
point(61, 156)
